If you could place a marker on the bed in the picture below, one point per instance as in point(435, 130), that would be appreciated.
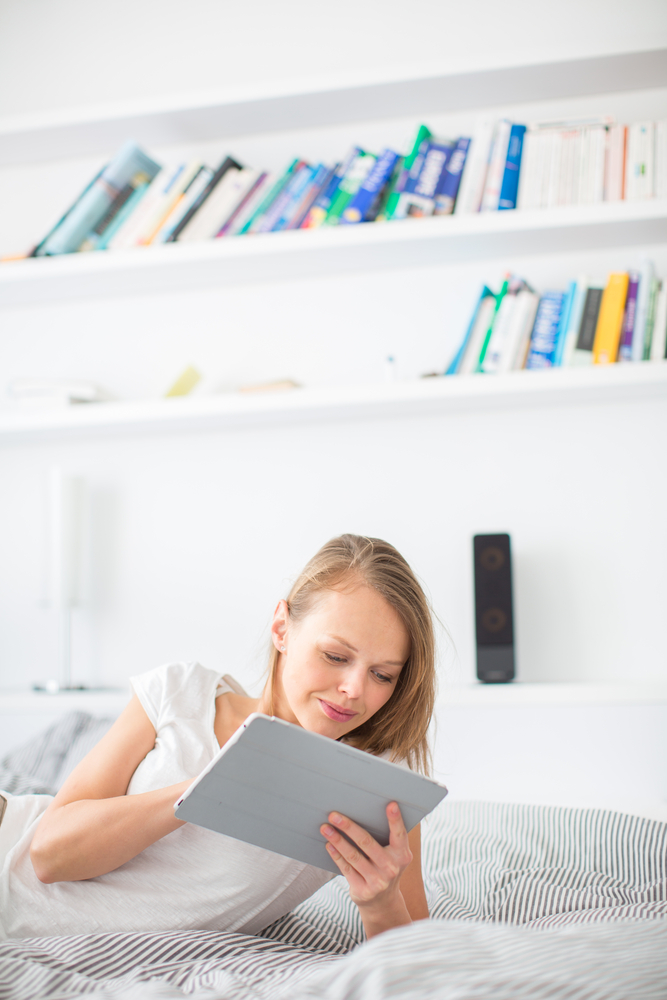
point(526, 901)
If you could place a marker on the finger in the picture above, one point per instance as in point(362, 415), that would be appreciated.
point(398, 835)
point(350, 853)
point(362, 838)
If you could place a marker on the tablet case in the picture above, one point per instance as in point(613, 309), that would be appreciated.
point(273, 784)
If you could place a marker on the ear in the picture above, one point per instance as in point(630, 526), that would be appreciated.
point(279, 624)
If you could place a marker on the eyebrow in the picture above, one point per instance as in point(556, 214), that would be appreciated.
point(343, 642)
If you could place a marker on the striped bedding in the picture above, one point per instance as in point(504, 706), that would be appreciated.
point(527, 901)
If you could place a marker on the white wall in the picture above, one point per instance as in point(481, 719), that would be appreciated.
point(192, 538)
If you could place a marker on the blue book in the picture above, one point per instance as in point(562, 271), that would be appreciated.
point(418, 196)
point(120, 217)
point(564, 323)
point(292, 197)
point(509, 187)
point(318, 183)
point(545, 331)
point(130, 166)
point(320, 209)
point(455, 363)
point(450, 179)
point(362, 202)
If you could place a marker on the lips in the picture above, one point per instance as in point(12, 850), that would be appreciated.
point(336, 713)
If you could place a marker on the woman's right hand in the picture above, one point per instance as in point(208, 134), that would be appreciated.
point(92, 826)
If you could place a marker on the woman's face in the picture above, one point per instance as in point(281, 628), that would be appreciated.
point(341, 662)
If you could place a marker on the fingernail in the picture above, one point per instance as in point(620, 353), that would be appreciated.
point(394, 809)
point(328, 831)
point(335, 818)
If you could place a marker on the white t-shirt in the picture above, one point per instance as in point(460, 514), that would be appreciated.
point(192, 879)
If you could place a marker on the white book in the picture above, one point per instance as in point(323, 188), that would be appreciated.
point(659, 339)
point(660, 175)
point(542, 169)
point(615, 163)
point(576, 312)
point(646, 275)
point(501, 325)
point(639, 162)
point(219, 205)
point(598, 145)
point(131, 229)
point(485, 313)
point(473, 178)
point(496, 170)
point(518, 335)
point(252, 204)
point(553, 168)
point(164, 205)
point(183, 204)
point(530, 175)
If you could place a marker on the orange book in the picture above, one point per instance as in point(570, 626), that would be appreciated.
point(610, 320)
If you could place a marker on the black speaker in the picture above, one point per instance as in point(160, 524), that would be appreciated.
point(494, 624)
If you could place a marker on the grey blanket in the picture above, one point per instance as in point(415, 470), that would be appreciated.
point(526, 901)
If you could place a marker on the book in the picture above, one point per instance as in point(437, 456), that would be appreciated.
point(646, 275)
point(629, 315)
point(240, 211)
point(510, 181)
point(102, 242)
point(583, 351)
point(248, 209)
point(281, 208)
point(211, 217)
point(128, 234)
point(659, 339)
point(171, 195)
point(322, 204)
point(468, 355)
point(106, 223)
point(564, 324)
point(520, 329)
point(130, 167)
point(650, 319)
point(614, 184)
point(473, 178)
point(610, 319)
point(496, 170)
point(271, 193)
point(361, 204)
point(348, 186)
point(418, 197)
point(183, 203)
point(229, 163)
point(574, 321)
point(319, 181)
point(422, 136)
point(545, 331)
point(660, 176)
point(639, 161)
point(449, 183)
point(489, 332)
point(498, 342)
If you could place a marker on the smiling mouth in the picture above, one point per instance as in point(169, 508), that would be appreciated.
point(335, 713)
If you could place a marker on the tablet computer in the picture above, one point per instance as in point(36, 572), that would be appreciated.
point(273, 784)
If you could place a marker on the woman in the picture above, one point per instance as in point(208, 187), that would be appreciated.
point(352, 658)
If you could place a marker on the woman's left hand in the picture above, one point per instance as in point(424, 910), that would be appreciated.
point(373, 872)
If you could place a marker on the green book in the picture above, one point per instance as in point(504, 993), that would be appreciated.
point(392, 201)
point(271, 196)
point(487, 337)
point(650, 319)
point(359, 170)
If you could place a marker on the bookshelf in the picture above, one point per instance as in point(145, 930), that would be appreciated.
point(299, 254)
point(432, 396)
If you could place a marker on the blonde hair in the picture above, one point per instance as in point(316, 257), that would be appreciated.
point(401, 725)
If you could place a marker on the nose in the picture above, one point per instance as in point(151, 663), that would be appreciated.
point(351, 684)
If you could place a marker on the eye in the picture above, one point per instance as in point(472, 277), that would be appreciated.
point(383, 677)
point(334, 659)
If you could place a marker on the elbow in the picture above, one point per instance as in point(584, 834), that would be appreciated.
point(42, 864)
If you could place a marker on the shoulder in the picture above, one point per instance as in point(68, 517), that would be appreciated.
point(389, 755)
point(180, 686)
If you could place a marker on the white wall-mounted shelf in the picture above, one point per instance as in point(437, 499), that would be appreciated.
point(519, 694)
point(320, 103)
point(399, 399)
point(292, 255)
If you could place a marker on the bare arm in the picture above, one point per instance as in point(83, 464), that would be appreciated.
point(92, 826)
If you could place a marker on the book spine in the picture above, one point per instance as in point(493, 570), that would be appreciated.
point(360, 205)
point(419, 197)
point(527, 190)
point(247, 199)
point(227, 164)
point(127, 235)
point(318, 182)
point(496, 169)
point(94, 239)
point(610, 320)
point(249, 210)
point(659, 340)
point(482, 320)
point(349, 185)
point(639, 162)
point(501, 327)
point(122, 216)
point(574, 322)
point(629, 315)
point(643, 300)
point(255, 220)
point(650, 319)
point(423, 135)
point(545, 331)
point(510, 183)
point(661, 160)
point(449, 184)
point(487, 336)
point(563, 326)
point(455, 364)
point(473, 179)
point(318, 213)
point(583, 352)
point(172, 195)
point(281, 208)
point(183, 204)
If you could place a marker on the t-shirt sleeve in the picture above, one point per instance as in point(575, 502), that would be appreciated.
point(149, 689)
point(174, 689)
